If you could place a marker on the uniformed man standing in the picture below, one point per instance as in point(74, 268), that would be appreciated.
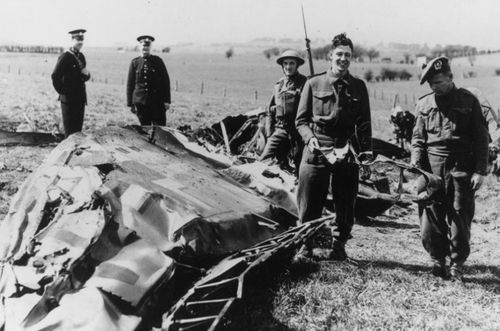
point(148, 86)
point(282, 134)
point(69, 77)
point(334, 111)
point(450, 139)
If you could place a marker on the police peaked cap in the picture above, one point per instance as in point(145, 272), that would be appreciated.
point(77, 33)
point(145, 38)
point(434, 67)
point(290, 54)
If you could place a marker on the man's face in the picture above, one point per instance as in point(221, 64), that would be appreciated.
point(145, 48)
point(78, 43)
point(290, 66)
point(341, 58)
point(441, 83)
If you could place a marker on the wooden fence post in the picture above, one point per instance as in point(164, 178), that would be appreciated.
point(256, 95)
point(176, 86)
point(224, 92)
point(201, 90)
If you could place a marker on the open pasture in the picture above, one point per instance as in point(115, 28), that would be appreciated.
point(386, 287)
point(205, 87)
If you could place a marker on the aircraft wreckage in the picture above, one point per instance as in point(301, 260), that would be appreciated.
point(130, 228)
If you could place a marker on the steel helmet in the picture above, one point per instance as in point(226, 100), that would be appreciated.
point(290, 53)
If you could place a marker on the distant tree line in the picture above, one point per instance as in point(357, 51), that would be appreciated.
point(388, 74)
point(31, 49)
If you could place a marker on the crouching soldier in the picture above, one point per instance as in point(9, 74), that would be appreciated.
point(450, 139)
point(282, 134)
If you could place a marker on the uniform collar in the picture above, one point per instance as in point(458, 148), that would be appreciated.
point(74, 51)
point(346, 79)
point(293, 78)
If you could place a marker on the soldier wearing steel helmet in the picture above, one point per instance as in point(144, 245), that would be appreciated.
point(148, 85)
point(68, 78)
point(282, 134)
point(450, 139)
point(334, 111)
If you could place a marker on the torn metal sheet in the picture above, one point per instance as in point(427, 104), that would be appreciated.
point(67, 188)
point(207, 303)
point(8, 138)
point(133, 271)
point(86, 310)
point(112, 210)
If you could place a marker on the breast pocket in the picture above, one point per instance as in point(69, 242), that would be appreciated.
point(323, 102)
point(433, 122)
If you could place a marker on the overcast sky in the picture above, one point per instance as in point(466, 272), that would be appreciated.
point(110, 22)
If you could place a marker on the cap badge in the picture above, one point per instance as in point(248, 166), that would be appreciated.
point(438, 65)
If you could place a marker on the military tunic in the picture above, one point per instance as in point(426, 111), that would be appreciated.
point(450, 139)
point(282, 111)
point(148, 89)
point(334, 111)
point(69, 81)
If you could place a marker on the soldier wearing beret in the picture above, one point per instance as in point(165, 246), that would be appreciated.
point(69, 77)
point(282, 134)
point(148, 86)
point(334, 111)
point(450, 139)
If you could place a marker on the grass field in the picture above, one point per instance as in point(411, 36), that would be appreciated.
point(386, 287)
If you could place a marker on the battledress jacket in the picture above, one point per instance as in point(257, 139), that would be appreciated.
point(285, 100)
point(67, 77)
point(148, 82)
point(451, 124)
point(335, 110)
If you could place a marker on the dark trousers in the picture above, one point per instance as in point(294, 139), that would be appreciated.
point(279, 144)
point(72, 116)
point(151, 114)
point(445, 224)
point(315, 178)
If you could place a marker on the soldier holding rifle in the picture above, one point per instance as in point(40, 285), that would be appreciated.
point(282, 110)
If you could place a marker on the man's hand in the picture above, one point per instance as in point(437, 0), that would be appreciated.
point(167, 106)
point(85, 72)
point(313, 144)
point(133, 110)
point(476, 181)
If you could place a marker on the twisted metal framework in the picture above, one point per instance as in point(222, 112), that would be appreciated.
point(208, 301)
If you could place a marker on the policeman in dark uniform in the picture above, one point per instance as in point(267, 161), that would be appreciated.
point(334, 110)
point(148, 86)
point(282, 111)
point(68, 78)
point(450, 139)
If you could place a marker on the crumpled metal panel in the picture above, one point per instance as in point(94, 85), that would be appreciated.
point(73, 186)
point(116, 201)
point(86, 310)
point(133, 271)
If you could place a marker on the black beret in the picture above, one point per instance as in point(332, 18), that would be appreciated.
point(433, 67)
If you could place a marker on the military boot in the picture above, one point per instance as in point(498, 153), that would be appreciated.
point(457, 271)
point(439, 268)
point(338, 252)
